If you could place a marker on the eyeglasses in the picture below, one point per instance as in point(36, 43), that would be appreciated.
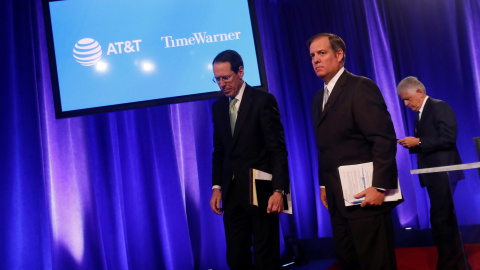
point(225, 79)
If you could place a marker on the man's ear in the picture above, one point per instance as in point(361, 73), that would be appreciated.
point(240, 72)
point(339, 55)
point(420, 92)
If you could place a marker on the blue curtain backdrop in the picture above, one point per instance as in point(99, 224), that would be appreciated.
point(130, 189)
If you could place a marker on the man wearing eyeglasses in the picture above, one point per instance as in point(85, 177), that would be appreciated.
point(247, 133)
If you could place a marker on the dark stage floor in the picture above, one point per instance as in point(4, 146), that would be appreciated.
point(318, 253)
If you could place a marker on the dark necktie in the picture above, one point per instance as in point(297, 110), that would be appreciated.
point(417, 121)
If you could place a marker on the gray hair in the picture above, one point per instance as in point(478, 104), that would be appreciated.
point(411, 84)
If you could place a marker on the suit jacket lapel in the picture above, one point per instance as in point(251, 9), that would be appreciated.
point(424, 114)
point(245, 105)
point(336, 91)
point(225, 114)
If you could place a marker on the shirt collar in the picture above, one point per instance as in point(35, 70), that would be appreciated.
point(333, 81)
point(240, 93)
point(423, 105)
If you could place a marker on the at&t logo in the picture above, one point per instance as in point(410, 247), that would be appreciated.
point(87, 52)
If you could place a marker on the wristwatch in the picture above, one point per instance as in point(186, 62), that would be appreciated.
point(281, 191)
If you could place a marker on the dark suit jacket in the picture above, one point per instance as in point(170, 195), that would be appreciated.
point(355, 127)
point(258, 142)
point(437, 130)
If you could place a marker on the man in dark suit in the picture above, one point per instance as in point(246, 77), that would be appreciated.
point(352, 126)
point(434, 142)
point(247, 133)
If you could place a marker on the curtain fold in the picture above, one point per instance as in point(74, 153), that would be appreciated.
point(131, 189)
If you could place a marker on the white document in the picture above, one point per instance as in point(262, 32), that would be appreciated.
point(261, 175)
point(356, 178)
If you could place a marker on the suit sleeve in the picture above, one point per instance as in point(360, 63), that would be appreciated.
point(274, 138)
point(316, 110)
point(445, 124)
point(375, 123)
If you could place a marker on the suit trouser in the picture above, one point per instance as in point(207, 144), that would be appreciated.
point(364, 243)
point(246, 227)
point(444, 224)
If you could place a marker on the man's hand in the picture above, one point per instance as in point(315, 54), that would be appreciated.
point(409, 142)
point(373, 197)
point(323, 197)
point(275, 203)
point(215, 201)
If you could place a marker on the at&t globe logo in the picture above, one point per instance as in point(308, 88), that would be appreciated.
point(87, 52)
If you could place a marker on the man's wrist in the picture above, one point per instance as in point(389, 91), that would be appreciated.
point(281, 191)
point(216, 187)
